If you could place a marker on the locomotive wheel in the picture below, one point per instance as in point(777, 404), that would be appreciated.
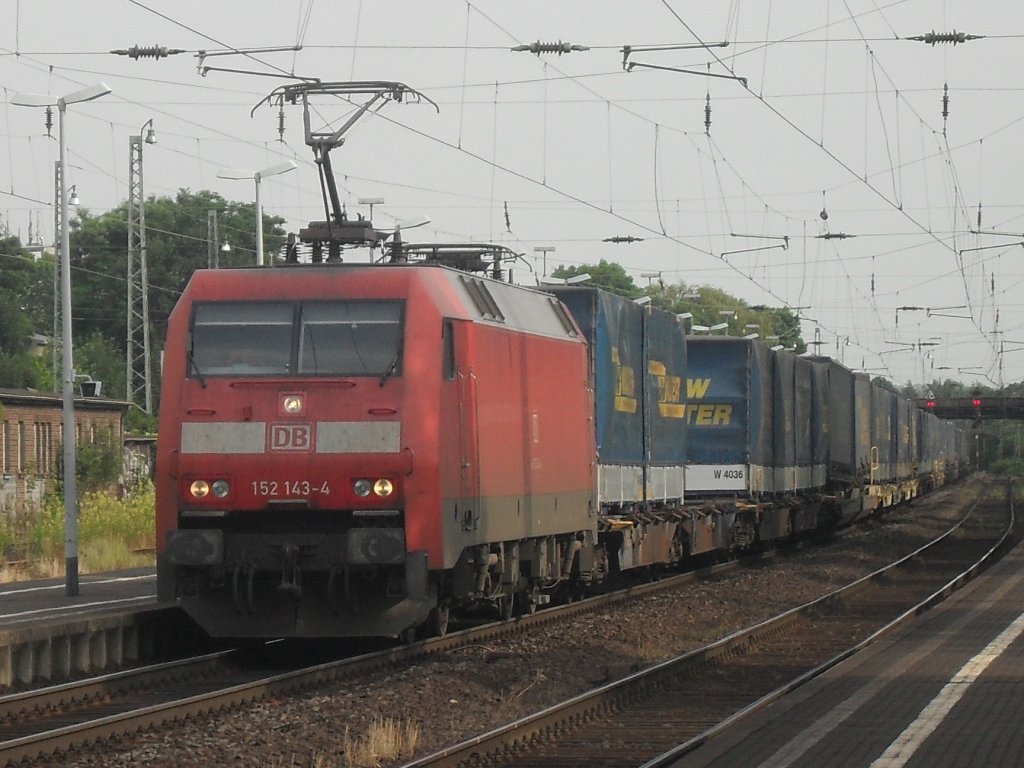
point(407, 636)
point(506, 606)
point(577, 592)
point(437, 622)
point(526, 601)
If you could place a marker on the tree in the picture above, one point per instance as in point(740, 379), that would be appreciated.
point(884, 383)
point(608, 275)
point(103, 360)
point(708, 305)
point(18, 283)
point(711, 306)
point(176, 246)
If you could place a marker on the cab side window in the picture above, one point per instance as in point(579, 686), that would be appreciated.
point(448, 367)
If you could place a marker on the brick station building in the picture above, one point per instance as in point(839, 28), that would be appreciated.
point(31, 441)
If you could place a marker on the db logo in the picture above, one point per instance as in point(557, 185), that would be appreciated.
point(290, 437)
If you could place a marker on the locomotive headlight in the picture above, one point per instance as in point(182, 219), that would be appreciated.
point(362, 487)
point(292, 404)
point(383, 487)
point(200, 489)
point(220, 488)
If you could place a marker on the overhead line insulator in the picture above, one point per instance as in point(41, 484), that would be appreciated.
point(559, 48)
point(954, 37)
point(148, 51)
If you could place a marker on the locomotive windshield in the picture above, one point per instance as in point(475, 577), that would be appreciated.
point(322, 338)
point(350, 338)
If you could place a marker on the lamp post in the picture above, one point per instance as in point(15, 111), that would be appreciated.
point(70, 486)
point(257, 176)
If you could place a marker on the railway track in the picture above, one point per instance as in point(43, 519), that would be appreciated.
point(653, 717)
point(58, 719)
point(55, 719)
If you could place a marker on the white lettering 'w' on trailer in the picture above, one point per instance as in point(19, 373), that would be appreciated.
point(697, 388)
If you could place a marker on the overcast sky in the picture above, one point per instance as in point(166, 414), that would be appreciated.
point(824, 121)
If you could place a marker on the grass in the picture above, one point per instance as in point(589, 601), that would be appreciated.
point(113, 534)
point(385, 739)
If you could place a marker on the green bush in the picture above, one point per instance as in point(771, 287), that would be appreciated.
point(113, 533)
point(130, 520)
point(1007, 466)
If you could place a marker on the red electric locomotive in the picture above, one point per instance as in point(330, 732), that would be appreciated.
point(354, 450)
point(351, 450)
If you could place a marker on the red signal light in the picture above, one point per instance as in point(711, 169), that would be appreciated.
point(977, 402)
point(929, 404)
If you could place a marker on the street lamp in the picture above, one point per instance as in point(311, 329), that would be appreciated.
point(371, 201)
point(68, 390)
point(544, 250)
point(257, 176)
point(708, 328)
point(582, 277)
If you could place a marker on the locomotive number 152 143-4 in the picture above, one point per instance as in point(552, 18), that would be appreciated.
point(271, 488)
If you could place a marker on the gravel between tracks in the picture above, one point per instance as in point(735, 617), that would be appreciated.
point(472, 690)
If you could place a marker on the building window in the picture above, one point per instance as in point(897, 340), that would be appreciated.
point(22, 440)
point(44, 447)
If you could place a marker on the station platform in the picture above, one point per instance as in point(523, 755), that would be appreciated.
point(47, 636)
point(32, 602)
point(946, 689)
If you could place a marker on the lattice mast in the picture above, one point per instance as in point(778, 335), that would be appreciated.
point(58, 326)
point(138, 381)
